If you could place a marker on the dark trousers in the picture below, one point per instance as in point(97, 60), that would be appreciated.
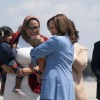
point(3, 76)
point(98, 90)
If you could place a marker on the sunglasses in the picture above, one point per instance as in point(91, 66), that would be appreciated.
point(33, 27)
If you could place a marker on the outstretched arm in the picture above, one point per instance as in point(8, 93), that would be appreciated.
point(7, 69)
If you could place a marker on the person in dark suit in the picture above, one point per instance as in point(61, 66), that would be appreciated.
point(95, 66)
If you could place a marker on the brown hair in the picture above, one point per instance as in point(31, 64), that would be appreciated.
point(51, 19)
point(75, 30)
point(63, 26)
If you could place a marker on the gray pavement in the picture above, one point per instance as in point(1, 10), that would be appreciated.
point(90, 89)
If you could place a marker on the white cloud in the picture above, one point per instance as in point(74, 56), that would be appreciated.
point(84, 13)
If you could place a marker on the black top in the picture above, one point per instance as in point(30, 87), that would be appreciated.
point(95, 63)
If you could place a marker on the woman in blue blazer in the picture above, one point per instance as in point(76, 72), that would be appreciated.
point(57, 82)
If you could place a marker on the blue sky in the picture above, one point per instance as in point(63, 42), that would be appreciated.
point(85, 14)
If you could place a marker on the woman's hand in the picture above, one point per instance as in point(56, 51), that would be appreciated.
point(24, 71)
point(39, 78)
point(36, 68)
point(8, 69)
point(14, 45)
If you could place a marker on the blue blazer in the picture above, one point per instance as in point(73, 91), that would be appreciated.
point(57, 81)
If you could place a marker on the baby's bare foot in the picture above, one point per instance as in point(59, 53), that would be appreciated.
point(19, 91)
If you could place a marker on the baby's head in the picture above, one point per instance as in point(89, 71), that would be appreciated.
point(35, 40)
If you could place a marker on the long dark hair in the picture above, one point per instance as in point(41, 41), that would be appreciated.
point(4, 31)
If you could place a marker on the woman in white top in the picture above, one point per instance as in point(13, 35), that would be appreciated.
point(30, 27)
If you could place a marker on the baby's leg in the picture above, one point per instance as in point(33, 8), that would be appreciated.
point(18, 78)
point(3, 81)
point(18, 82)
point(17, 85)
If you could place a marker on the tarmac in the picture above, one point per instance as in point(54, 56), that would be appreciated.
point(90, 89)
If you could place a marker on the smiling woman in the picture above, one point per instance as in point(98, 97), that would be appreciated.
point(33, 28)
point(57, 81)
point(30, 27)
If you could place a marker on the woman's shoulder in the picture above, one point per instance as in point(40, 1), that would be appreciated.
point(97, 43)
point(56, 37)
point(22, 43)
point(15, 37)
point(61, 39)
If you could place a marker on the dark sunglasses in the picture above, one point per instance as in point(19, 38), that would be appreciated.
point(33, 27)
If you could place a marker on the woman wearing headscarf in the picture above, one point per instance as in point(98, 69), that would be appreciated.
point(30, 86)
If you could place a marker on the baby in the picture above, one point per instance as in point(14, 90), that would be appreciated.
point(35, 41)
